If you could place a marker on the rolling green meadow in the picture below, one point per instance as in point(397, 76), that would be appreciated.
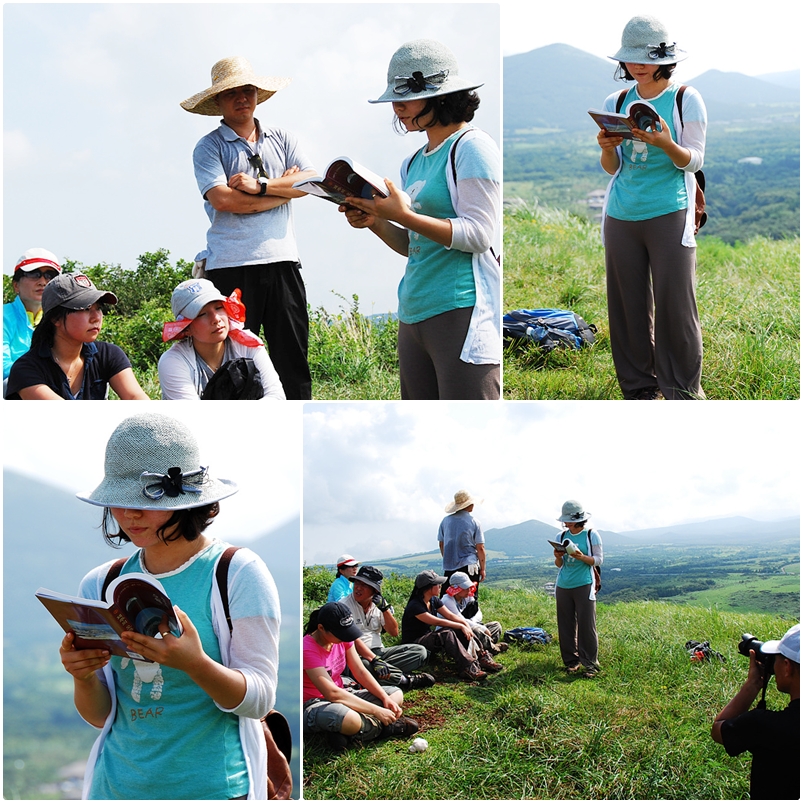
point(639, 730)
point(747, 293)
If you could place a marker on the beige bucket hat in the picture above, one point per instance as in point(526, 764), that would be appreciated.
point(462, 499)
point(229, 73)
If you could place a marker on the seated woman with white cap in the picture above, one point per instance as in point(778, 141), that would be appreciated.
point(66, 360)
point(341, 587)
point(34, 269)
point(208, 333)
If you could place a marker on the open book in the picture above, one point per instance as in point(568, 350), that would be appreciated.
point(137, 602)
point(560, 546)
point(344, 177)
point(638, 114)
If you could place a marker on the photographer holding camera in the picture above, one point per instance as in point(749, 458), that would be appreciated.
point(773, 737)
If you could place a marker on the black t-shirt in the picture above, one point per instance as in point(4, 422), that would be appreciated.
point(102, 361)
point(773, 737)
point(413, 628)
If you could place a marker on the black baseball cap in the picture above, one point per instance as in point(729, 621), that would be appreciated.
point(337, 619)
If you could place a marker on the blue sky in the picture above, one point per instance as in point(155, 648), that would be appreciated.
point(98, 152)
point(258, 448)
point(378, 476)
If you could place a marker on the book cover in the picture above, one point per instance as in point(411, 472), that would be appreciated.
point(344, 177)
point(136, 602)
point(639, 114)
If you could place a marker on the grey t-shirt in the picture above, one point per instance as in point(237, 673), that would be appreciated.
point(257, 238)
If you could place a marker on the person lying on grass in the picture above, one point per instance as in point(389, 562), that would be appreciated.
point(372, 712)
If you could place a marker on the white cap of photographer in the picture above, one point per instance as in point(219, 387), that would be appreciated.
point(788, 646)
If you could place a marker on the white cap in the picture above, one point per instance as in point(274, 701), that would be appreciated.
point(788, 646)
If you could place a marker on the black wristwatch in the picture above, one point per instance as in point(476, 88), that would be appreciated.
point(263, 185)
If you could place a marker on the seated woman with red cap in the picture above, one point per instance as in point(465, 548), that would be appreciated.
point(209, 335)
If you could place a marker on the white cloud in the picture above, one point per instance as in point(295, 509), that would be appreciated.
point(380, 474)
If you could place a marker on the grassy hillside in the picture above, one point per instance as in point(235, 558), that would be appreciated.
point(638, 730)
point(748, 296)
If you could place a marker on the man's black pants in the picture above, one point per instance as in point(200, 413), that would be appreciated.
point(275, 300)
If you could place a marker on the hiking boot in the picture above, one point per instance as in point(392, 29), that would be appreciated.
point(473, 672)
point(488, 664)
point(400, 729)
point(419, 680)
point(503, 646)
point(338, 741)
point(645, 394)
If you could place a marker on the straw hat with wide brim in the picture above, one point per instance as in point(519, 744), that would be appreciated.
point(227, 74)
point(462, 499)
point(152, 463)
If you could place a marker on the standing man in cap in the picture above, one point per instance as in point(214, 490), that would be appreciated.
point(346, 569)
point(373, 614)
point(246, 174)
point(462, 543)
point(34, 269)
point(773, 737)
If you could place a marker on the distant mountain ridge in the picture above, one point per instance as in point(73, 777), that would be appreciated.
point(553, 87)
point(528, 540)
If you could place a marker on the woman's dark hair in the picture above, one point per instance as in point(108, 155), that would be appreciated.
point(418, 593)
point(45, 332)
point(191, 523)
point(455, 107)
point(662, 71)
point(312, 623)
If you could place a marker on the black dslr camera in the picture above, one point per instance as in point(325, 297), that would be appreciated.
point(765, 662)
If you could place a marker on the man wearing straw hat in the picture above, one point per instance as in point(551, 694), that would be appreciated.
point(246, 173)
point(462, 543)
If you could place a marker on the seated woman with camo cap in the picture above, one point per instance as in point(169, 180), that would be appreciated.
point(66, 360)
point(459, 595)
point(208, 332)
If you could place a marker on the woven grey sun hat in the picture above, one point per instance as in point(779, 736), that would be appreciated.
point(645, 40)
point(227, 74)
point(573, 512)
point(420, 69)
point(152, 463)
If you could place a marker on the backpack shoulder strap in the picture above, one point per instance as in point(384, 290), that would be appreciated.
point(222, 579)
point(620, 100)
point(111, 575)
point(679, 101)
point(453, 154)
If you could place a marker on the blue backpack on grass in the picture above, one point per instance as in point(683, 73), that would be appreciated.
point(548, 328)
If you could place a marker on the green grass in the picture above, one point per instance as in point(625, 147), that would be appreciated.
point(638, 730)
point(351, 357)
point(748, 298)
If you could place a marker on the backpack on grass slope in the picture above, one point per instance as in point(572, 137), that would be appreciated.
point(549, 328)
point(528, 635)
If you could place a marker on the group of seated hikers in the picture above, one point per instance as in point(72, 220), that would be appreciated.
point(353, 684)
point(52, 350)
